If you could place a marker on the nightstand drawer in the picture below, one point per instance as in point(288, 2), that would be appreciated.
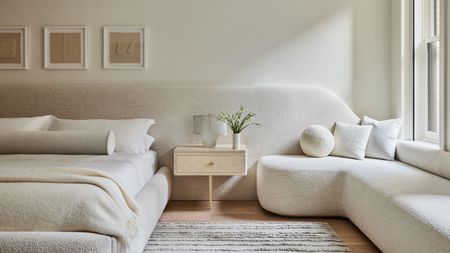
point(213, 164)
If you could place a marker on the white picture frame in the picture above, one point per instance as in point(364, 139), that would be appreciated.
point(115, 60)
point(6, 56)
point(55, 55)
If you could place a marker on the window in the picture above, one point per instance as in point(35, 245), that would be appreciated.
point(427, 69)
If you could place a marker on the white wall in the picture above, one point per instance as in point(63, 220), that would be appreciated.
point(371, 55)
point(340, 44)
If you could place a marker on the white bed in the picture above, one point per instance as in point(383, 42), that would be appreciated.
point(138, 174)
point(132, 171)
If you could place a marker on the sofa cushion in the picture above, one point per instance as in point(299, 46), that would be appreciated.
point(350, 140)
point(301, 185)
point(383, 138)
point(425, 156)
point(387, 223)
point(430, 209)
point(399, 207)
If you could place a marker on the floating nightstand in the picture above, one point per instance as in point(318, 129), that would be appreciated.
point(222, 160)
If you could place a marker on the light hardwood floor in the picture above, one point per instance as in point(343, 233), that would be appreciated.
point(252, 211)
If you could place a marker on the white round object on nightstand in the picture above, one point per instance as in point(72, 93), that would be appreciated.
point(317, 141)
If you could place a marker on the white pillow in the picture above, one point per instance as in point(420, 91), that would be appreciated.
point(149, 141)
point(350, 140)
point(57, 142)
point(383, 138)
point(40, 123)
point(130, 133)
point(317, 141)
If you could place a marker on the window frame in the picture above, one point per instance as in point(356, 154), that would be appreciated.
point(423, 36)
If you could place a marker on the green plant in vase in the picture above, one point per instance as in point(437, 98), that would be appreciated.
point(237, 122)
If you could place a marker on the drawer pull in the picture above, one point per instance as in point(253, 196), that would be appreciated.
point(211, 163)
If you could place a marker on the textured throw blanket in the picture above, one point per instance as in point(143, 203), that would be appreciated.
point(66, 199)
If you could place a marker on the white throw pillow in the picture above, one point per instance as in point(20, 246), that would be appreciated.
point(351, 140)
point(131, 134)
point(383, 138)
point(317, 141)
point(57, 142)
point(40, 123)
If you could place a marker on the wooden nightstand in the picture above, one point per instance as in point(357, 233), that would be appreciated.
point(222, 160)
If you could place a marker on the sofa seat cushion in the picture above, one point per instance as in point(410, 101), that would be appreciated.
point(431, 209)
point(424, 195)
point(301, 185)
point(387, 223)
point(394, 178)
point(399, 207)
point(408, 207)
point(421, 194)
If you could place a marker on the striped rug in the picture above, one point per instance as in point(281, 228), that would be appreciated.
point(244, 237)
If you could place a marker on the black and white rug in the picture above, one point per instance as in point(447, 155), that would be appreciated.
point(244, 237)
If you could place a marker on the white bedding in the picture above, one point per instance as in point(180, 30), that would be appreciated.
point(132, 171)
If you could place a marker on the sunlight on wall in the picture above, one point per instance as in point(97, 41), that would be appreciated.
point(320, 54)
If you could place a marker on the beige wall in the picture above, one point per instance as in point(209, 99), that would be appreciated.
point(339, 44)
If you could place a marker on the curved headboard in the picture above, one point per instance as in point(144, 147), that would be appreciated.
point(283, 111)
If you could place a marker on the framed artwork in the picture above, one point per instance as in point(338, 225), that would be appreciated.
point(124, 47)
point(65, 47)
point(13, 48)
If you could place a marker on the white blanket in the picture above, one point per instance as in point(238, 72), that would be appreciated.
point(66, 199)
point(132, 171)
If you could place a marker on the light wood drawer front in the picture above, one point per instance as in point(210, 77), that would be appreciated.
point(210, 164)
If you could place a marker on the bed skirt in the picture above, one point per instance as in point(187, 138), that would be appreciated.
point(152, 201)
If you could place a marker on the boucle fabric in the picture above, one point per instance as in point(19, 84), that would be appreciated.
point(425, 156)
point(317, 141)
point(151, 200)
point(301, 185)
point(401, 208)
point(286, 109)
point(66, 199)
point(383, 137)
point(350, 140)
point(402, 219)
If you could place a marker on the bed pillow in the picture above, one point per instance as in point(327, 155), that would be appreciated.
point(383, 138)
point(130, 133)
point(351, 140)
point(40, 123)
point(149, 141)
point(57, 142)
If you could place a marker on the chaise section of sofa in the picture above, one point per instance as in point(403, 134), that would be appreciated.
point(400, 207)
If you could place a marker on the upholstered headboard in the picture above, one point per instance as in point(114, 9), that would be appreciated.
point(283, 111)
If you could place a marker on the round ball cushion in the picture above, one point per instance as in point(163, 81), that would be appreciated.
point(317, 141)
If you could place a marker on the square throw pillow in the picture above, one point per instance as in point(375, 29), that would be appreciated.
point(131, 134)
point(40, 123)
point(383, 138)
point(350, 140)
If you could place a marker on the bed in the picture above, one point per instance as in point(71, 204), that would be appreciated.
point(137, 173)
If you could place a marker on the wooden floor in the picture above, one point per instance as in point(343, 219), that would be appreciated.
point(252, 211)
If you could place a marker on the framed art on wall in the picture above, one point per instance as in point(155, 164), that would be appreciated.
point(65, 47)
point(13, 48)
point(124, 47)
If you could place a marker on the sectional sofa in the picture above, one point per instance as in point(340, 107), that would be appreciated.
point(402, 205)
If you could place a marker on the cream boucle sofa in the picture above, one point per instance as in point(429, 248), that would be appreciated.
point(402, 206)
